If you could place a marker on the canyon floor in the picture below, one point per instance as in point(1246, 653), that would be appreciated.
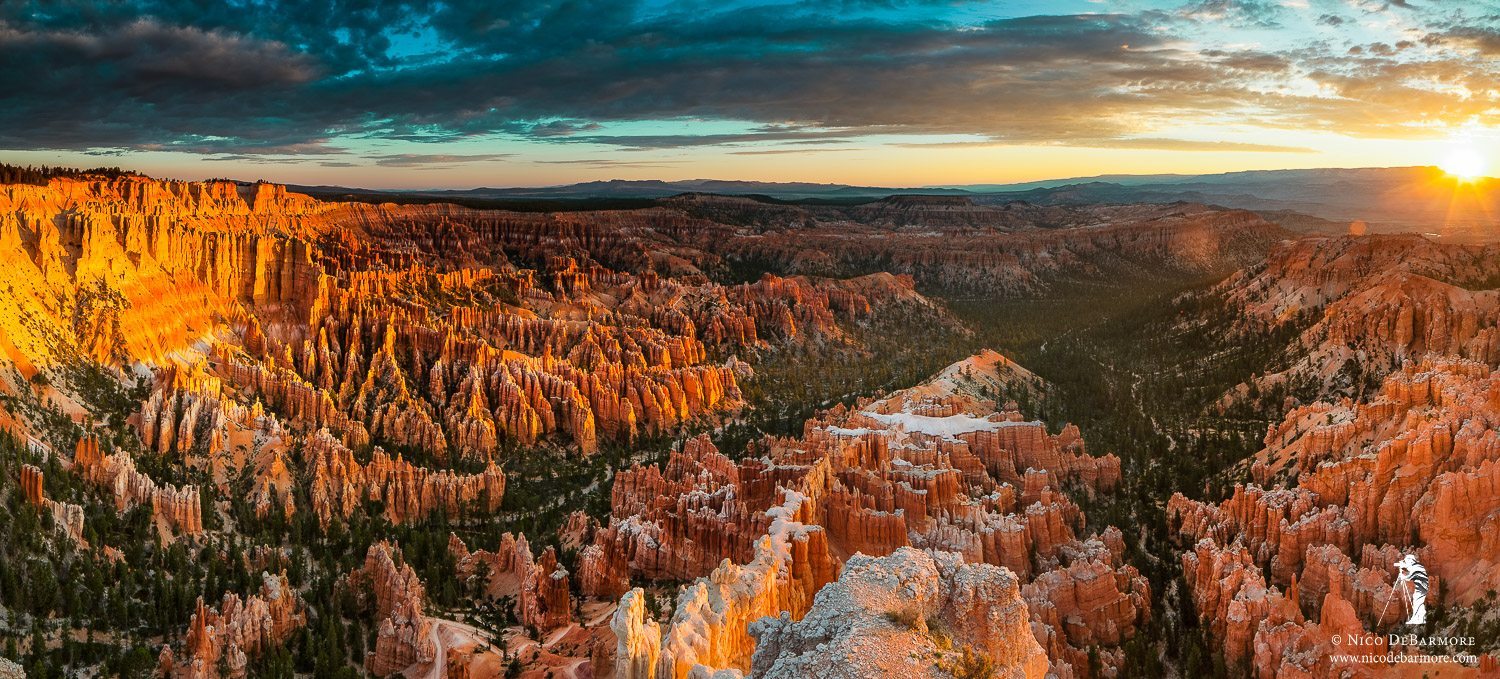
point(249, 432)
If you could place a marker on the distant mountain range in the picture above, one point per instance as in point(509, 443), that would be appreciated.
point(1387, 199)
point(653, 188)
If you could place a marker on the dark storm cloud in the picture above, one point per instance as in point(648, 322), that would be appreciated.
point(300, 78)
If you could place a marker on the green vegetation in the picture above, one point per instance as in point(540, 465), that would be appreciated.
point(40, 174)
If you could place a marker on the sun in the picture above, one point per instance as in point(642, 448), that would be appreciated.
point(1464, 163)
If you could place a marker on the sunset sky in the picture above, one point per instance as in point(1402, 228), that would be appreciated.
point(464, 93)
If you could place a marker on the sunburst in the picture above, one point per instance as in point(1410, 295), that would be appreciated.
point(1465, 164)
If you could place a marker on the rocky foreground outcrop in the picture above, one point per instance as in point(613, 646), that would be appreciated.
point(1414, 470)
point(912, 614)
point(936, 466)
point(710, 625)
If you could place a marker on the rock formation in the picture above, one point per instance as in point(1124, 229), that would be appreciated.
point(907, 614)
point(1410, 471)
point(240, 629)
point(1368, 304)
point(67, 517)
point(935, 466)
point(348, 353)
point(405, 325)
point(176, 509)
point(710, 625)
point(340, 485)
point(404, 633)
point(539, 586)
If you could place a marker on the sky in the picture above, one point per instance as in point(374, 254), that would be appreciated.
point(467, 93)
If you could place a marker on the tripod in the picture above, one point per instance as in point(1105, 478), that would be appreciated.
point(1405, 596)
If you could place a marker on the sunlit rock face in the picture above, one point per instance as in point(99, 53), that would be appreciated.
point(456, 331)
point(1411, 470)
point(911, 613)
point(323, 360)
point(938, 466)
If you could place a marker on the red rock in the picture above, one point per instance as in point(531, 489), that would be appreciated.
point(67, 517)
point(857, 623)
point(340, 485)
point(539, 586)
point(177, 508)
point(1378, 301)
point(403, 636)
point(239, 630)
point(871, 480)
point(1410, 471)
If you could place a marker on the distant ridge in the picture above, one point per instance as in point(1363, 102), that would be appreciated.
point(656, 188)
point(1389, 199)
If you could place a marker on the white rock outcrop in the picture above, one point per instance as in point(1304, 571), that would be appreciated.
point(910, 614)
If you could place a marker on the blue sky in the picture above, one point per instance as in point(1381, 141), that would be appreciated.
point(459, 93)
